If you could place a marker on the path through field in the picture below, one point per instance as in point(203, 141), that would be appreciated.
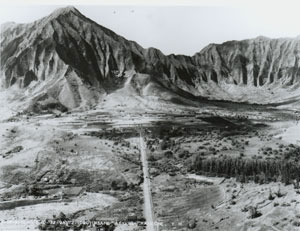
point(148, 210)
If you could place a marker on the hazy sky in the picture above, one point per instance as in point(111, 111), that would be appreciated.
point(179, 29)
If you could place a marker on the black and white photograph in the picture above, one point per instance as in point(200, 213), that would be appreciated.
point(150, 115)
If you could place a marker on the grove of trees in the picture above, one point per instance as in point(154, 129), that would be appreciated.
point(257, 170)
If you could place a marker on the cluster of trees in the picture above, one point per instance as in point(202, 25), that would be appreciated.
point(257, 170)
point(114, 134)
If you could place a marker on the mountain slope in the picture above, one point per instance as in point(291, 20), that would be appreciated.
point(265, 66)
point(68, 56)
point(68, 59)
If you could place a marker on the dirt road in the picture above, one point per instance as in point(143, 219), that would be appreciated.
point(148, 210)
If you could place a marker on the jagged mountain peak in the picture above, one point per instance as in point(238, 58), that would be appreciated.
point(65, 11)
point(76, 61)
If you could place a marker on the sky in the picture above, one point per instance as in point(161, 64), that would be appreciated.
point(175, 28)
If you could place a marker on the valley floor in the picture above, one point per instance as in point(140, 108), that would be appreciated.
point(61, 170)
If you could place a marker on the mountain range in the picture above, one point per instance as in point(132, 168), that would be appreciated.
point(69, 60)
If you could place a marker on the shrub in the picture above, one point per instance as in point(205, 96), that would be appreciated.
point(270, 197)
point(151, 158)
point(253, 212)
point(296, 223)
point(168, 154)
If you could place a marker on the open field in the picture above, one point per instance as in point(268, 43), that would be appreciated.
point(50, 167)
point(87, 166)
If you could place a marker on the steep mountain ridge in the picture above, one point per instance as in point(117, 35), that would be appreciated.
point(260, 61)
point(71, 60)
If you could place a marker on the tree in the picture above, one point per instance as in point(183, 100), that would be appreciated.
point(114, 185)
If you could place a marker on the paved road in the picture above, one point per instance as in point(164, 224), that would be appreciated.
point(148, 210)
